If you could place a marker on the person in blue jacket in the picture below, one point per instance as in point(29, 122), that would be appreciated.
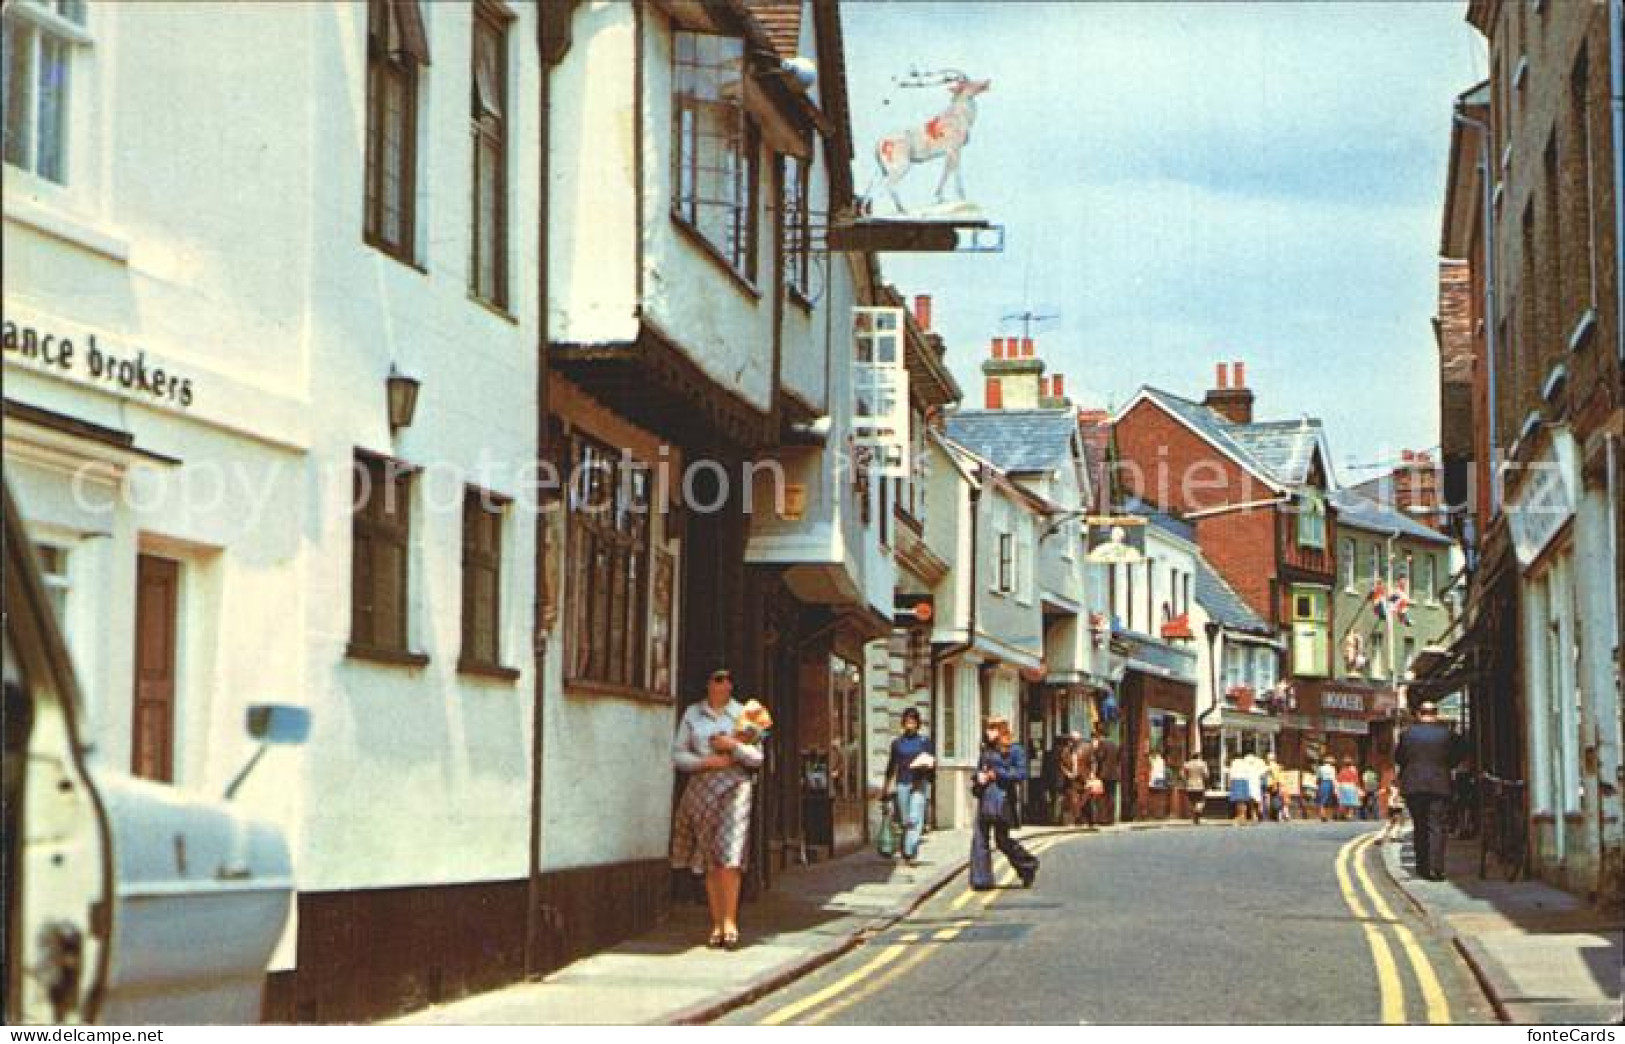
point(909, 773)
point(1000, 768)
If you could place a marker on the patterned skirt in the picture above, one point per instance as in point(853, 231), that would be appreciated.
point(713, 821)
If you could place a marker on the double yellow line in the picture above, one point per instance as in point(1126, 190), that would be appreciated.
point(893, 960)
point(1390, 986)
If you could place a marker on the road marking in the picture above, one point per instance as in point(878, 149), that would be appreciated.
point(1438, 1007)
point(883, 958)
point(1390, 986)
point(866, 980)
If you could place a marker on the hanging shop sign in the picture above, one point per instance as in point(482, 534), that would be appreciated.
point(1116, 539)
point(53, 348)
point(1541, 495)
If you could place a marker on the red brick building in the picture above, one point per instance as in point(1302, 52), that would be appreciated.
point(1256, 493)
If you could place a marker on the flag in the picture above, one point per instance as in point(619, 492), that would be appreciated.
point(1401, 603)
point(1379, 600)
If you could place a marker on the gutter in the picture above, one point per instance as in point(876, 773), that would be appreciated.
point(1285, 496)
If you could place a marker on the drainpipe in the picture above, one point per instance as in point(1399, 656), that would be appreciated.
point(941, 656)
point(1616, 94)
point(1486, 176)
point(550, 53)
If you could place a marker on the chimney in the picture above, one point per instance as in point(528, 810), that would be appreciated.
point(1017, 373)
point(995, 394)
point(922, 311)
point(1232, 401)
point(1043, 387)
point(1057, 385)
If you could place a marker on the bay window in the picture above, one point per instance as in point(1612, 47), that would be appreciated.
point(716, 147)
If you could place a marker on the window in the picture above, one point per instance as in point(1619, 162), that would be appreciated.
point(716, 151)
point(608, 547)
point(950, 710)
point(1377, 667)
point(381, 533)
point(41, 39)
point(396, 46)
point(488, 98)
point(1004, 577)
point(797, 227)
point(886, 485)
point(53, 563)
point(1410, 655)
point(482, 580)
point(1349, 564)
point(1402, 572)
point(1427, 582)
point(1310, 648)
point(1376, 564)
point(1312, 521)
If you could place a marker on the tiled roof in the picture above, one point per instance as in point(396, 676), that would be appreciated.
point(1279, 450)
point(1362, 512)
point(781, 20)
point(1016, 441)
point(1161, 519)
point(1220, 601)
point(1285, 448)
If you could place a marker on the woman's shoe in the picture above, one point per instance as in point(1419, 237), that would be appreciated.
point(730, 941)
point(716, 941)
point(1028, 876)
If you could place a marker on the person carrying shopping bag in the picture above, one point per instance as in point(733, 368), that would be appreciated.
point(1000, 768)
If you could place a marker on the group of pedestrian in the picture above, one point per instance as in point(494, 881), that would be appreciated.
point(1087, 776)
point(719, 745)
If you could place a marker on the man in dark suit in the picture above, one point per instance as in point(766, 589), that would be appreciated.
point(1427, 751)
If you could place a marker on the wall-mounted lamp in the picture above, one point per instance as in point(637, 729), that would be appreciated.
point(403, 398)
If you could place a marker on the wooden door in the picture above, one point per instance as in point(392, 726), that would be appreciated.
point(157, 588)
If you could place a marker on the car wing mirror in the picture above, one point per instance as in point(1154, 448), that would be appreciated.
point(273, 724)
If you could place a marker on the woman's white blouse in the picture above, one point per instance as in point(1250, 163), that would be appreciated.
point(692, 744)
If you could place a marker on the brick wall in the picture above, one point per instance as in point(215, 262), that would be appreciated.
point(1240, 545)
point(1164, 462)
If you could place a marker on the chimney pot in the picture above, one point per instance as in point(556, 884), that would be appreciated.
point(1239, 375)
point(1058, 385)
point(1043, 387)
point(998, 347)
point(1026, 347)
point(1221, 377)
point(922, 311)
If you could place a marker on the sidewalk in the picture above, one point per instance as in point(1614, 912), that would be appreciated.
point(1543, 956)
point(811, 916)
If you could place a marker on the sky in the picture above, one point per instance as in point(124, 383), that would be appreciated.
point(1189, 184)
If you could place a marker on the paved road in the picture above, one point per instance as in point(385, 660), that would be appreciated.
point(1266, 923)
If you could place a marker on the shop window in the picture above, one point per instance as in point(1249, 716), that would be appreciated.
point(715, 149)
point(43, 42)
point(950, 710)
point(397, 48)
point(607, 591)
point(482, 580)
point(381, 538)
point(1310, 638)
point(488, 116)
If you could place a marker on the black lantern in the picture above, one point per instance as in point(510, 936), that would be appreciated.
point(403, 398)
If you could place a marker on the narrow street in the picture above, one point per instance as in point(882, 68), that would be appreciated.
point(1257, 924)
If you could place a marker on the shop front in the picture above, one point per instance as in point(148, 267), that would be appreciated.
point(1340, 719)
point(1155, 730)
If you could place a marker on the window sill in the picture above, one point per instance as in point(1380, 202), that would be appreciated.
point(58, 225)
point(388, 657)
point(1583, 331)
point(494, 308)
point(491, 671)
point(706, 247)
point(409, 262)
point(617, 692)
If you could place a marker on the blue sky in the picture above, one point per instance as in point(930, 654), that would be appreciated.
point(1187, 184)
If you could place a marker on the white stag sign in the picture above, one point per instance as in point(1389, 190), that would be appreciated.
point(943, 137)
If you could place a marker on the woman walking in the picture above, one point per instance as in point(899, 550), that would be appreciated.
point(1326, 788)
point(1002, 765)
point(717, 751)
point(909, 774)
point(1348, 789)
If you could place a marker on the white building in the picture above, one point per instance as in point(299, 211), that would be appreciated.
point(211, 276)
